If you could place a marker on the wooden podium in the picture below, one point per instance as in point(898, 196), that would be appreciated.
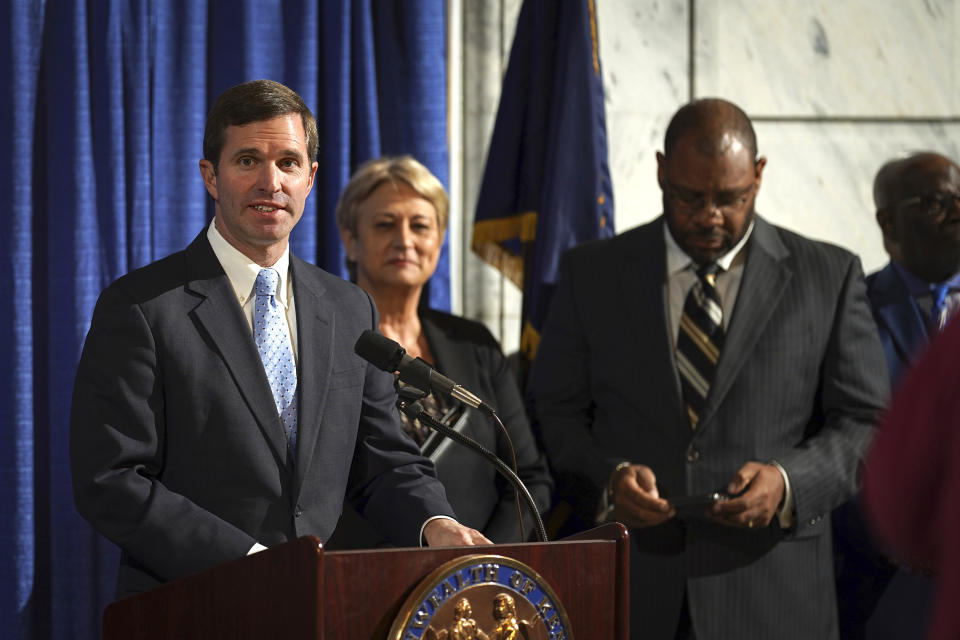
point(296, 590)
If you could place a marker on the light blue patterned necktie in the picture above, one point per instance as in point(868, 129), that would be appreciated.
point(272, 335)
point(939, 311)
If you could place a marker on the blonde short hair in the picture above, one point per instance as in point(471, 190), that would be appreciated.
point(372, 174)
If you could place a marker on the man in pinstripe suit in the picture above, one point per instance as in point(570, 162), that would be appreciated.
point(787, 407)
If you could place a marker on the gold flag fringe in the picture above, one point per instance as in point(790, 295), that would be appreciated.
point(489, 234)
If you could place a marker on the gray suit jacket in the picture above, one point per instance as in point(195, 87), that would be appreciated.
point(178, 454)
point(796, 382)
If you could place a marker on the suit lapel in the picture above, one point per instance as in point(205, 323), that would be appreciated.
point(220, 316)
point(765, 278)
point(315, 326)
point(898, 313)
point(644, 269)
point(451, 359)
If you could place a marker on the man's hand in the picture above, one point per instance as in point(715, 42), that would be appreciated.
point(445, 532)
point(637, 503)
point(761, 489)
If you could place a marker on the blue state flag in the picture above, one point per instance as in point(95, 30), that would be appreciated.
point(546, 186)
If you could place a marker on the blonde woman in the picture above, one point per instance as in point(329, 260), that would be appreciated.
point(392, 217)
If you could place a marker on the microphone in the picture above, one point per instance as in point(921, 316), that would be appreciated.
point(389, 356)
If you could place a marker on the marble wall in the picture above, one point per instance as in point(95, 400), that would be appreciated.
point(834, 88)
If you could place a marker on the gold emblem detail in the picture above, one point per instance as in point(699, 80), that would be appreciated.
point(482, 597)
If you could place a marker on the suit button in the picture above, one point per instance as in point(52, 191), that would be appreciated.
point(693, 454)
point(297, 512)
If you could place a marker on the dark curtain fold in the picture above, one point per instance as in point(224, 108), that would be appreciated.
point(410, 39)
point(103, 123)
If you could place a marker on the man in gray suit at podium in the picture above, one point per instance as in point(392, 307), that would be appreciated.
point(219, 407)
point(711, 352)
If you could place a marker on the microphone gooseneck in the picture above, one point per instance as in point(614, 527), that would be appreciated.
point(389, 356)
point(415, 411)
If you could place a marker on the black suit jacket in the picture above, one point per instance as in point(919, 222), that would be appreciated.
point(178, 454)
point(796, 382)
point(903, 331)
point(466, 352)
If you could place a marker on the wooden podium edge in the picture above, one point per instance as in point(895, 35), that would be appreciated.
point(269, 568)
point(283, 588)
point(619, 533)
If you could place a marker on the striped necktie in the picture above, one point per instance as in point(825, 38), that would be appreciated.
point(272, 335)
point(699, 341)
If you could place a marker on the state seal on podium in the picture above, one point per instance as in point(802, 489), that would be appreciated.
point(482, 597)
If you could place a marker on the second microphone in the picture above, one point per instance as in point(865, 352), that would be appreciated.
point(389, 356)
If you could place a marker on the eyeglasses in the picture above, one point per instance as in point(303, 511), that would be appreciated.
point(932, 203)
point(728, 203)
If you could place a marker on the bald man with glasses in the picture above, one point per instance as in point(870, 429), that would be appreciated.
point(917, 200)
point(707, 355)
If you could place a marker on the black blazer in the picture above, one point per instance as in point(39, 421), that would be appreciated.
point(466, 352)
point(903, 332)
point(800, 380)
point(178, 454)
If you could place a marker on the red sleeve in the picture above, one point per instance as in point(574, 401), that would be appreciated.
point(911, 482)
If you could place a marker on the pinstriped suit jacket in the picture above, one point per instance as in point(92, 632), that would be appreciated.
point(797, 381)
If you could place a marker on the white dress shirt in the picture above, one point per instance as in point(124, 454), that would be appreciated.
point(242, 273)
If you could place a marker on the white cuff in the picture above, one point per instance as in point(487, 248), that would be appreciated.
point(423, 542)
point(256, 548)
point(785, 513)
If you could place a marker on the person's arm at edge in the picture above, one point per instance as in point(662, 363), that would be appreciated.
point(907, 474)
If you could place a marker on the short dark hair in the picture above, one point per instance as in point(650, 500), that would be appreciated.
point(711, 117)
point(253, 102)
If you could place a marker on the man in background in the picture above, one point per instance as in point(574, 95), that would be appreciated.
point(918, 209)
point(710, 351)
point(919, 290)
point(219, 407)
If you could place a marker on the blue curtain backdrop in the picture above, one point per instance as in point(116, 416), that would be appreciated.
point(102, 121)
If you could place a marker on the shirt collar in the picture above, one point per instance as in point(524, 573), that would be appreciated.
point(242, 271)
point(918, 286)
point(678, 260)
